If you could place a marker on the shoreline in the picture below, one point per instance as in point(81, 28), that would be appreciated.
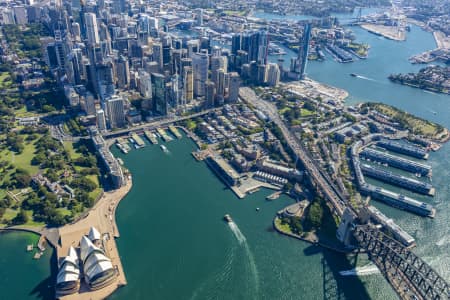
point(315, 242)
point(442, 41)
point(385, 31)
point(102, 216)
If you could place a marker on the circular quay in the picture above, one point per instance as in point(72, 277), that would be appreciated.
point(207, 149)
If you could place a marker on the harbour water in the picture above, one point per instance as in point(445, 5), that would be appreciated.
point(175, 245)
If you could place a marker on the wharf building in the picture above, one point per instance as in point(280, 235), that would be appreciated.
point(388, 197)
point(269, 166)
point(401, 181)
point(224, 170)
point(404, 148)
point(109, 161)
point(390, 226)
point(396, 162)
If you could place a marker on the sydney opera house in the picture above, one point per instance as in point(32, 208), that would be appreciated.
point(89, 263)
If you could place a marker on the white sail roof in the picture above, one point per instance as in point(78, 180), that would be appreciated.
point(72, 253)
point(86, 248)
point(94, 234)
point(98, 268)
point(66, 277)
point(94, 259)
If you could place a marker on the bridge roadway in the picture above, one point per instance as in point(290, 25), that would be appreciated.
point(409, 276)
point(157, 123)
point(324, 183)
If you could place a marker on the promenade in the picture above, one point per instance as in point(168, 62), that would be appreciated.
point(102, 217)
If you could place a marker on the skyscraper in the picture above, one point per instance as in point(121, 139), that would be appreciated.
point(101, 120)
point(233, 90)
point(91, 28)
point(158, 54)
point(200, 65)
point(116, 111)
point(217, 63)
point(188, 84)
point(159, 94)
point(255, 43)
point(210, 94)
point(273, 74)
point(298, 66)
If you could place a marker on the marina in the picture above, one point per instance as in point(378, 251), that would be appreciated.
point(151, 137)
point(396, 162)
point(398, 180)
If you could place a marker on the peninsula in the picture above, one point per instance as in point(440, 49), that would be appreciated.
point(431, 78)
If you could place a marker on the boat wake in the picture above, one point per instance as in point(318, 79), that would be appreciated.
point(251, 259)
point(239, 261)
point(365, 78)
point(237, 233)
point(361, 271)
point(442, 241)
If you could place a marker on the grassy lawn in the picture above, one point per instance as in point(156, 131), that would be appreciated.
point(282, 227)
point(71, 150)
point(283, 110)
point(5, 80)
point(306, 113)
point(425, 127)
point(23, 160)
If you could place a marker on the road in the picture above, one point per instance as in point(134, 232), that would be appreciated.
point(317, 175)
point(162, 122)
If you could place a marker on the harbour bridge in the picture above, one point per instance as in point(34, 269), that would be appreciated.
point(408, 274)
point(410, 277)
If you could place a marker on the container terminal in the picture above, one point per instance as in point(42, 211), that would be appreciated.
point(397, 162)
point(398, 180)
point(390, 226)
point(164, 135)
point(388, 197)
point(175, 131)
point(139, 143)
point(151, 137)
point(404, 148)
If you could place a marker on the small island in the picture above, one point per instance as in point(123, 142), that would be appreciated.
point(431, 78)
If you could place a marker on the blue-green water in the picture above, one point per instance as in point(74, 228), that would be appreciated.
point(21, 276)
point(174, 244)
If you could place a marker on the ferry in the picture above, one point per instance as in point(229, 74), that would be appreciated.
point(227, 218)
point(164, 148)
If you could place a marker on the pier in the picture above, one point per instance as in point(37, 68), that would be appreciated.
point(137, 139)
point(399, 201)
point(397, 162)
point(404, 148)
point(398, 180)
point(164, 135)
point(175, 132)
point(151, 137)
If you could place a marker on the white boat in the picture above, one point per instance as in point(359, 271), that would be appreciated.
point(164, 148)
point(227, 218)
